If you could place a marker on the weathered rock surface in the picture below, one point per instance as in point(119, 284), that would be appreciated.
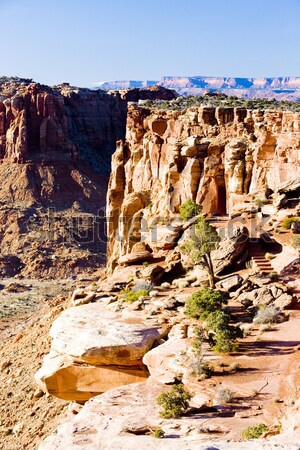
point(268, 293)
point(229, 284)
point(62, 377)
point(232, 251)
point(126, 418)
point(81, 297)
point(94, 349)
point(218, 157)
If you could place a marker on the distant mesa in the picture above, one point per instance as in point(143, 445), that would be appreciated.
point(281, 88)
point(126, 84)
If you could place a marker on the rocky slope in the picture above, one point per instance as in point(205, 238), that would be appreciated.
point(226, 159)
point(55, 151)
point(281, 88)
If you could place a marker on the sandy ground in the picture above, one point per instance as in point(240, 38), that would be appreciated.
point(26, 318)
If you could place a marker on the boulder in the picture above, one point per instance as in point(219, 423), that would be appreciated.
point(118, 280)
point(295, 227)
point(164, 237)
point(232, 251)
point(140, 252)
point(229, 284)
point(153, 273)
point(93, 335)
point(94, 349)
point(135, 257)
point(290, 186)
point(164, 363)
point(271, 293)
point(81, 297)
point(285, 301)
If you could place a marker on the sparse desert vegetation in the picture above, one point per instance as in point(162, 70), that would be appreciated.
point(174, 403)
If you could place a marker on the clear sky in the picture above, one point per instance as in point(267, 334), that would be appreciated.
point(85, 41)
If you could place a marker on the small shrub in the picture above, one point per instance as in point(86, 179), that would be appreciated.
point(181, 283)
point(288, 221)
point(145, 264)
point(153, 293)
point(261, 201)
point(225, 342)
point(174, 403)
point(188, 210)
point(246, 328)
point(224, 395)
point(159, 433)
point(255, 431)
point(296, 242)
point(204, 302)
point(267, 314)
point(223, 336)
point(130, 296)
point(234, 367)
point(270, 256)
point(142, 285)
point(274, 276)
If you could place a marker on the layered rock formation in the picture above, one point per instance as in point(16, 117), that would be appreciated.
point(65, 123)
point(217, 157)
point(55, 152)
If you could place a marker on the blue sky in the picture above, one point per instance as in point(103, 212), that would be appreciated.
point(86, 41)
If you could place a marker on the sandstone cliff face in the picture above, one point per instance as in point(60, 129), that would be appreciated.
point(63, 123)
point(215, 156)
point(55, 151)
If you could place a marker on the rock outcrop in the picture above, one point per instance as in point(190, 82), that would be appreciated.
point(94, 350)
point(219, 157)
point(126, 418)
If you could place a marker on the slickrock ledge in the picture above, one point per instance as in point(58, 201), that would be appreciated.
point(125, 419)
point(94, 350)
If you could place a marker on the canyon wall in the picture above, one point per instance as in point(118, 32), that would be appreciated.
point(55, 152)
point(216, 156)
point(65, 123)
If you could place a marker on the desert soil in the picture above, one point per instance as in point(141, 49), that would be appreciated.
point(27, 310)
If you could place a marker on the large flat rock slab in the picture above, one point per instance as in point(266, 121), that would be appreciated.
point(94, 335)
point(121, 418)
point(94, 350)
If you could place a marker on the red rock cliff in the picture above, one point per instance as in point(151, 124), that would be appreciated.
point(214, 156)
